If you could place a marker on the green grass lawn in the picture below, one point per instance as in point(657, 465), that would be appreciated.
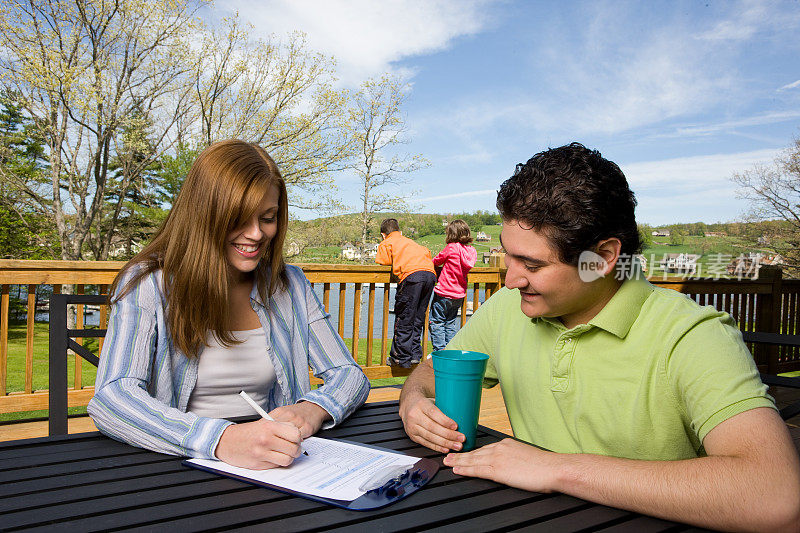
point(709, 249)
point(16, 366)
point(16, 358)
point(712, 250)
point(436, 242)
point(319, 254)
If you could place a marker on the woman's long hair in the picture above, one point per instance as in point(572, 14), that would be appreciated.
point(223, 190)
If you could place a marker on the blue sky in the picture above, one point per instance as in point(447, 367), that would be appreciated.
point(681, 94)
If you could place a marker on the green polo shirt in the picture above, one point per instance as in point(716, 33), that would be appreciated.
point(647, 378)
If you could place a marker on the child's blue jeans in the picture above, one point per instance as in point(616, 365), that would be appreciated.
point(443, 320)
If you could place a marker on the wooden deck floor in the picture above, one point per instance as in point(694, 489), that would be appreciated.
point(493, 415)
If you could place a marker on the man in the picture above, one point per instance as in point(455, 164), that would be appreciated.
point(413, 265)
point(645, 400)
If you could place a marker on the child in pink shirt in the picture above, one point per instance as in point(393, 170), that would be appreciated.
point(457, 258)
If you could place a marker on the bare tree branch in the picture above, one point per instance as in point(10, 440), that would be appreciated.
point(773, 192)
point(377, 123)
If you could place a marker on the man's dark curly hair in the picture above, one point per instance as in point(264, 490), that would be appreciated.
point(575, 197)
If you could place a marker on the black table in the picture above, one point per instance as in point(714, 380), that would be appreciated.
point(88, 482)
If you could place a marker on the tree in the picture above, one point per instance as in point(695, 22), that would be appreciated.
point(279, 95)
point(773, 192)
point(677, 236)
point(84, 70)
point(131, 210)
point(377, 129)
point(24, 234)
point(172, 170)
point(700, 229)
point(646, 235)
point(430, 225)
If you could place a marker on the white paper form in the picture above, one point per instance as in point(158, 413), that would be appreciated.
point(332, 469)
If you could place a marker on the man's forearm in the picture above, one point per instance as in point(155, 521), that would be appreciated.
point(720, 492)
point(749, 481)
point(419, 383)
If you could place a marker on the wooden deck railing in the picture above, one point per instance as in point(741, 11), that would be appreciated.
point(769, 304)
point(33, 274)
point(350, 285)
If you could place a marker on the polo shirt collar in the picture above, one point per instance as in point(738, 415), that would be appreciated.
point(624, 308)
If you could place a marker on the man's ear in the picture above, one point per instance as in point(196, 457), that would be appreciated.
point(609, 250)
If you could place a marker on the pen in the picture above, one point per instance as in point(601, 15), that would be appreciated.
point(260, 411)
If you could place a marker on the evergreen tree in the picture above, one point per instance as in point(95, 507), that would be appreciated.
point(25, 233)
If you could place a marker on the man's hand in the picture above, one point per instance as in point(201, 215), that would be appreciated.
point(308, 417)
point(509, 462)
point(427, 425)
point(259, 445)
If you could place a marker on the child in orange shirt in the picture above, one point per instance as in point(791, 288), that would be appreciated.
point(412, 264)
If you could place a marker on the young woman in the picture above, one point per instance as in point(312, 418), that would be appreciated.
point(456, 260)
point(208, 309)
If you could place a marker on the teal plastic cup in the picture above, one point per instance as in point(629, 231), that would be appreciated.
point(459, 376)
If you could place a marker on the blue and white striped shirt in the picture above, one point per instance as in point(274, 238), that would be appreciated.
point(143, 382)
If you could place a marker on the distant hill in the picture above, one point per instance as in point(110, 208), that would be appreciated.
point(320, 240)
point(339, 229)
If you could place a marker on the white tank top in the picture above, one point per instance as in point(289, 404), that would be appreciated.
point(224, 371)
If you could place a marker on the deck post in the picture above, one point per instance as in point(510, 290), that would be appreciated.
point(768, 314)
point(57, 397)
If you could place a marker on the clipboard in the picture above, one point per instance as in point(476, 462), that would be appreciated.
point(385, 487)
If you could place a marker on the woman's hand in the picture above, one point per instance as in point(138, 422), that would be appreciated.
point(308, 417)
point(259, 445)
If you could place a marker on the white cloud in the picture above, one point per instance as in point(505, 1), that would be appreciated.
point(485, 192)
point(364, 36)
point(686, 189)
point(700, 206)
point(706, 172)
point(660, 81)
point(753, 17)
point(477, 155)
point(691, 189)
point(758, 120)
point(606, 83)
point(741, 27)
point(793, 85)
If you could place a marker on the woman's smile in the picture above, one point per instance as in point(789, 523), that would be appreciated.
point(247, 250)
